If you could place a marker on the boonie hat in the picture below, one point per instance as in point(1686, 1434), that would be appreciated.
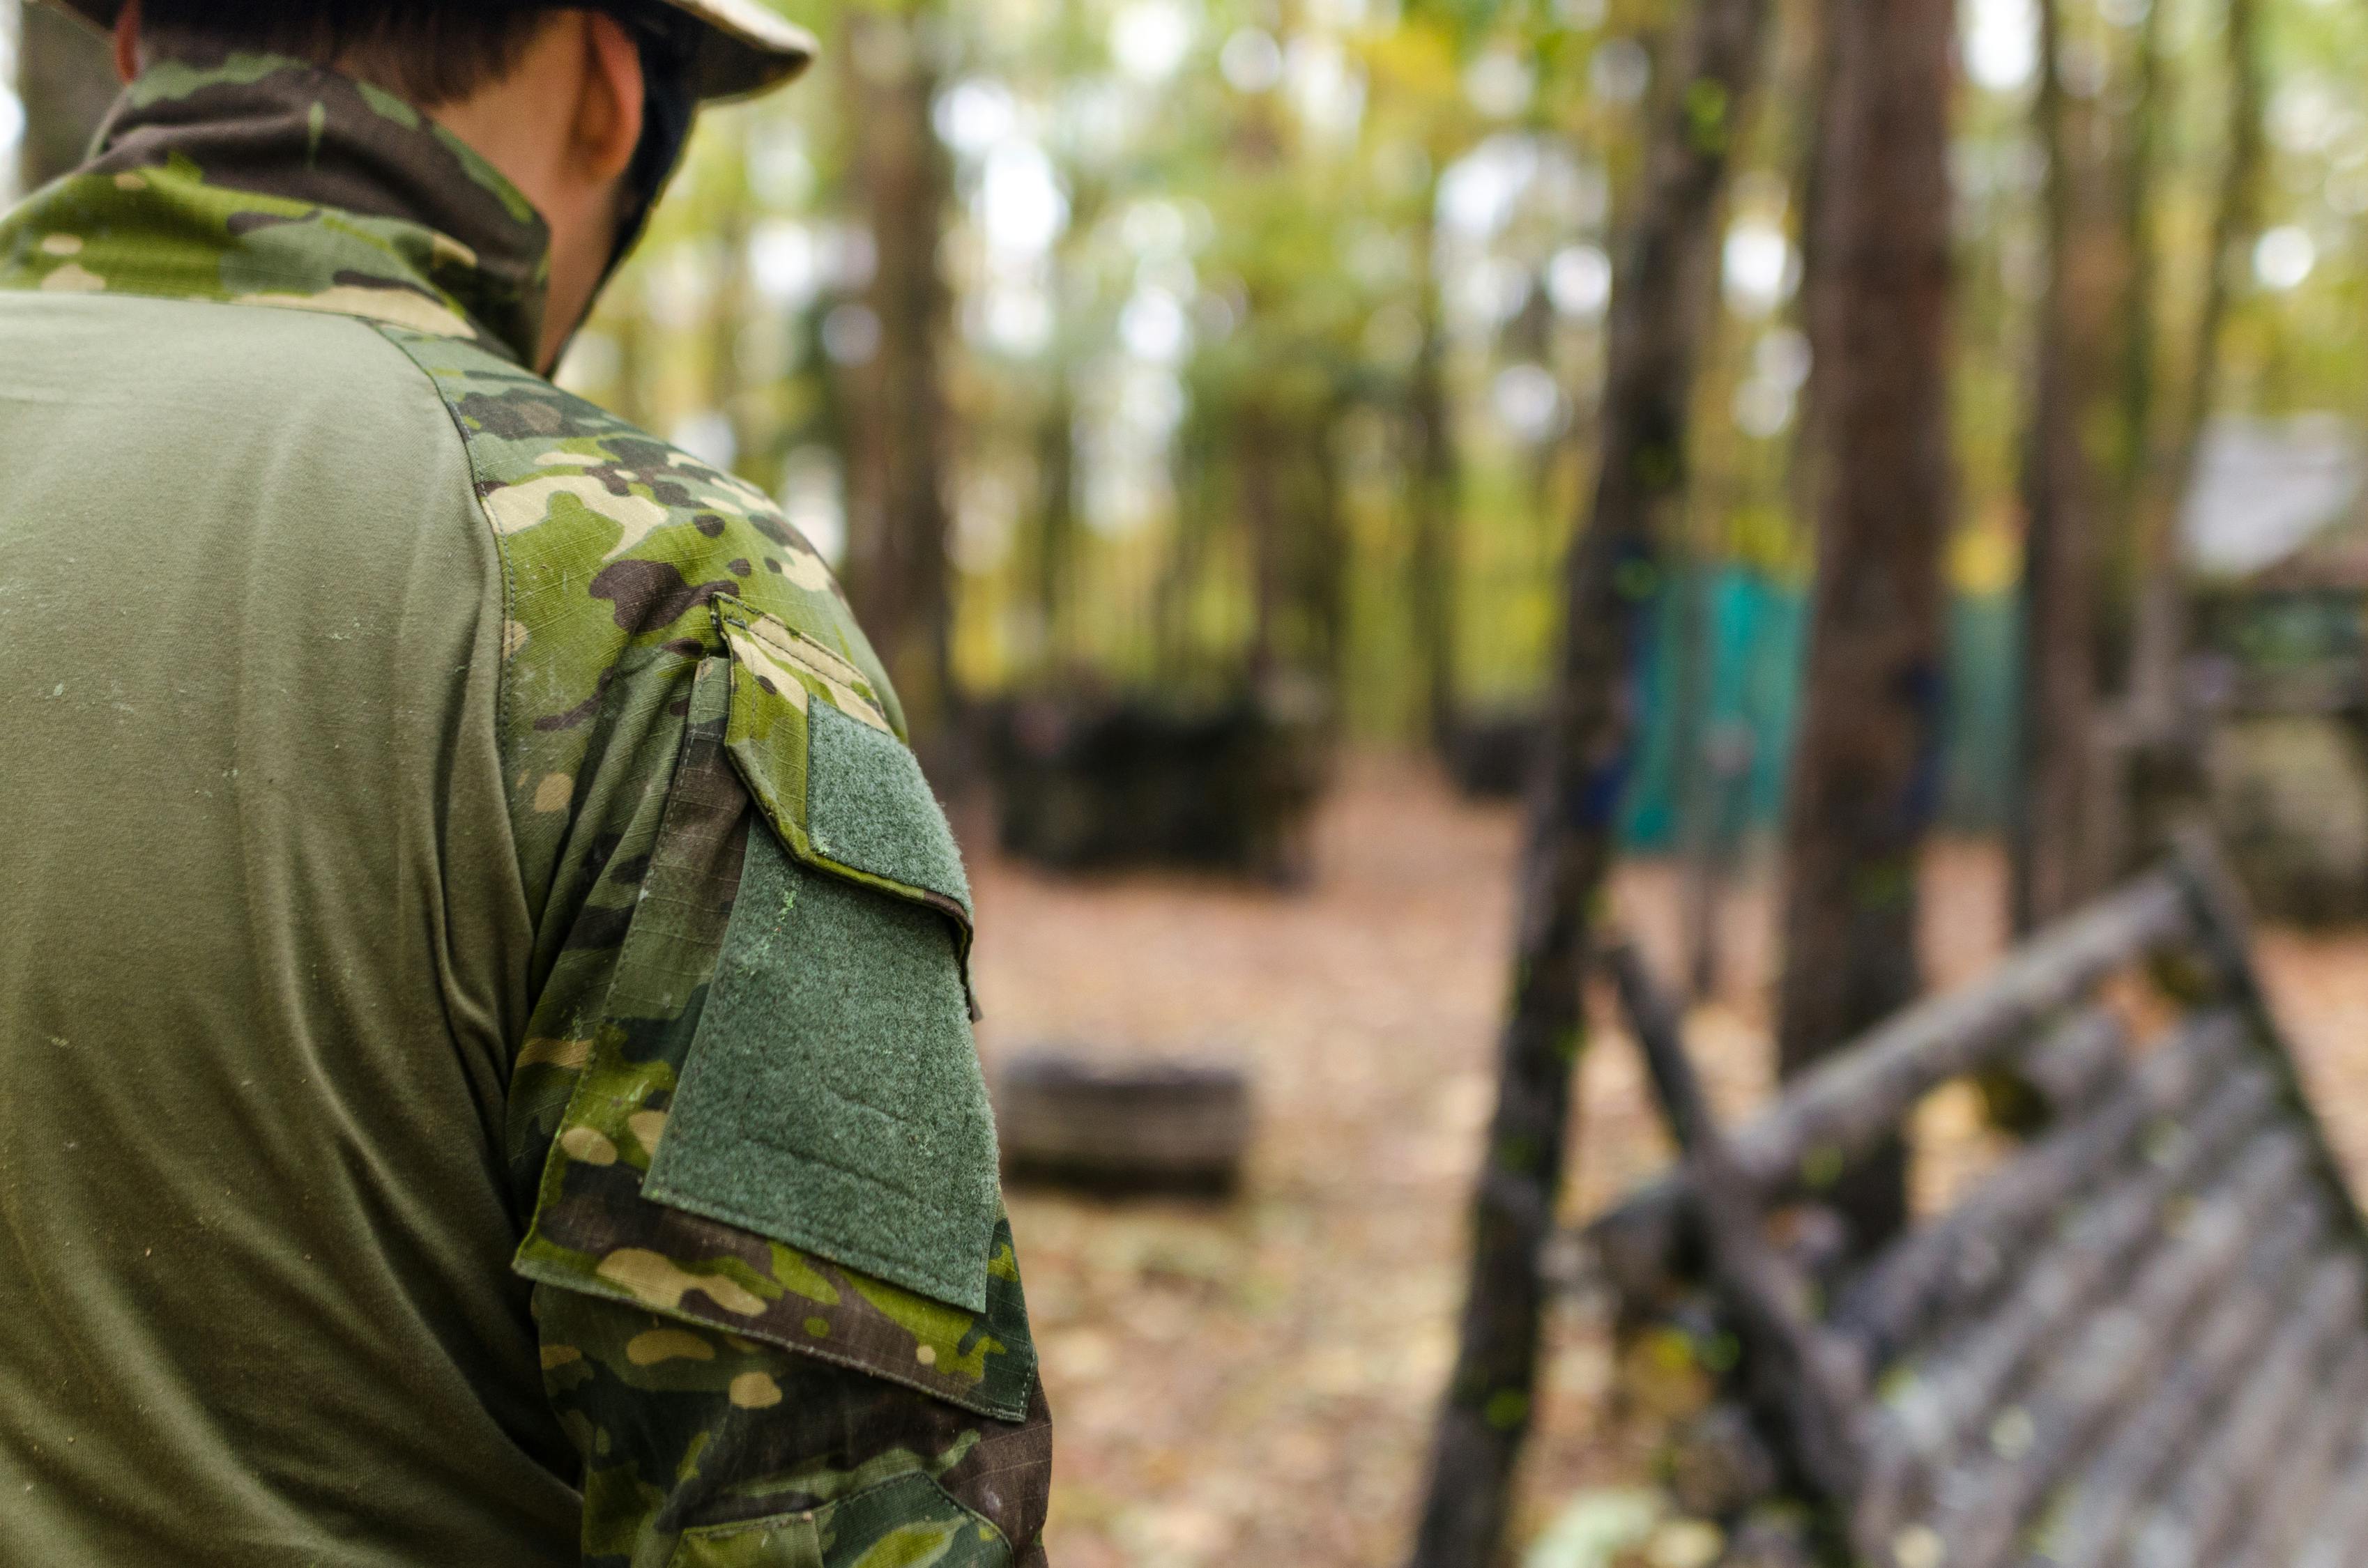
point(742, 47)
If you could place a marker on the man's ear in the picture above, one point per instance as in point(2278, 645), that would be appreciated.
point(609, 115)
point(127, 42)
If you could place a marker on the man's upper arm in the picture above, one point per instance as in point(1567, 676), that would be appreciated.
point(746, 1127)
point(780, 1301)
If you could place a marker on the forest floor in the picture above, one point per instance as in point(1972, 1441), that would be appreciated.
point(1251, 1382)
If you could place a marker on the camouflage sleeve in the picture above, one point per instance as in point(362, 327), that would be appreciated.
point(739, 1400)
point(704, 1449)
point(747, 1133)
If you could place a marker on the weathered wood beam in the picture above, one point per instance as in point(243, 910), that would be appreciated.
point(1804, 1383)
point(2074, 1337)
point(2336, 1535)
point(1850, 1104)
point(1983, 1507)
point(2076, 1062)
point(2095, 1507)
point(1956, 1262)
point(2202, 1505)
point(2296, 1489)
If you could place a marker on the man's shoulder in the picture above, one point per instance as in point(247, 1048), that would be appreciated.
point(616, 543)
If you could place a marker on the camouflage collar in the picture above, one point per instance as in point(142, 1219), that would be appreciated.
point(263, 180)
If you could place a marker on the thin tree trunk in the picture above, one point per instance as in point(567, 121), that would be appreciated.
point(66, 82)
point(1258, 470)
point(2052, 847)
point(1200, 486)
point(2161, 634)
point(1055, 543)
point(1803, 476)
point(1664, 293)
point(1327, 530)
point(897, 556)
point(1866, 770)
point(2163, 776)
point(1434, 493)
point(2142, 296)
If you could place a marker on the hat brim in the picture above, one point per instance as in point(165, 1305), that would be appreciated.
point(745, 48)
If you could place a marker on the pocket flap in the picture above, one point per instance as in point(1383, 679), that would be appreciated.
point(845, 794)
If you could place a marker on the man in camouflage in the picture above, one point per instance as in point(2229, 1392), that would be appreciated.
point(483, 983)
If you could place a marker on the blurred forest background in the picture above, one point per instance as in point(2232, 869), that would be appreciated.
point(1202, 400)
point(1167, 345)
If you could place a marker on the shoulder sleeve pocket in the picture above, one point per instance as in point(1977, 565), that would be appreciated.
point(832, 1098)
point(782, 1129)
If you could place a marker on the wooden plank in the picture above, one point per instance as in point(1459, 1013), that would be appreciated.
point(2202, 1504)
point(2297, 1488)
point(1986, 1506)
point(1852, 1102)
point(2093, 1510)
point(2076, 1063)
point(1846, 1105)
point(1962, 1257)
point(2337, 1536)
point(2084, 1320)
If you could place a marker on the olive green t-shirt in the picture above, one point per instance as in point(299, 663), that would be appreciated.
point(263, 951)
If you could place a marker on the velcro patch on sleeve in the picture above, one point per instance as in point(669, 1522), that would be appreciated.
point(833, 1098)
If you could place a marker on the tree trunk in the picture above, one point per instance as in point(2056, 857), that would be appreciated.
point(897, 534)
point(1665, 294)
point(2140, 366)
point(67, 83)
point(1258, 470)
point(2163, 767)
point(1328, 532)
point(1434, 492)
point(1054, 552)
point(1867, 770)
point(2053, 861)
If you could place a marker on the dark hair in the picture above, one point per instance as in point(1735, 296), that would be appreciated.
point(430, 51)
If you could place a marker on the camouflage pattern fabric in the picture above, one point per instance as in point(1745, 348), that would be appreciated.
point(738, 1401)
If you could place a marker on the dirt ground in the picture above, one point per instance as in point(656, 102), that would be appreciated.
point(1251, 1382)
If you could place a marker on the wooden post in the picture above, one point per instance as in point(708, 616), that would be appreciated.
point(1807, 1383)
point(1664, 291)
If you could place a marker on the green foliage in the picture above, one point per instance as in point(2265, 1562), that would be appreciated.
point(1199, 248)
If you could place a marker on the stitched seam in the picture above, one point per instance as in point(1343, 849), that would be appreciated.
point(477, 502)
point(554, 1157)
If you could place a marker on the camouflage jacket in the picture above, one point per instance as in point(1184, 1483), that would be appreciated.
point(750, 1165)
